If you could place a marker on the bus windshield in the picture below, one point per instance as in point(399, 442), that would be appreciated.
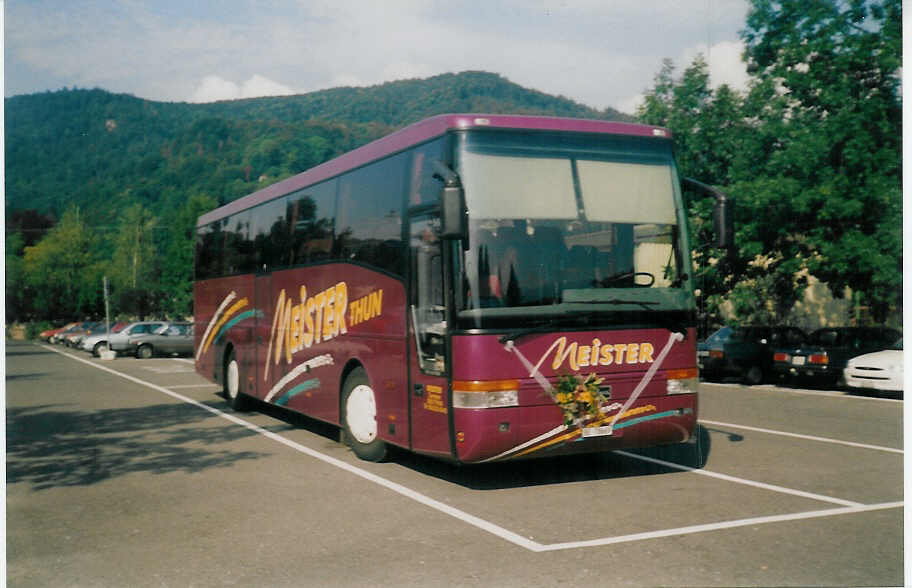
point(568, 223)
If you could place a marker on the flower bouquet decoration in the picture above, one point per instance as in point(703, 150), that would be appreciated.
point(578, 399)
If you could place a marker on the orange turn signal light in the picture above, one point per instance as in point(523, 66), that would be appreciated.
point(682, 374)
point(485, 385)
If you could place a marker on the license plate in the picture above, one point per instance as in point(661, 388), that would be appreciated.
point(799, 360)
point(596, 431)
point(702, 353)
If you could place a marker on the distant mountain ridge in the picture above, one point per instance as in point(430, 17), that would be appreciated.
point(105, 151)
point(403, 102)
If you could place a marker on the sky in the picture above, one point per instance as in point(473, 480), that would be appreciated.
point(601, 53)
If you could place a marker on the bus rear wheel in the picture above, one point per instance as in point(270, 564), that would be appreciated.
point(359, 417)
point(232, 384)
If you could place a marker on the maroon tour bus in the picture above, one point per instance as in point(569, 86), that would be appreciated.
point(471, 287)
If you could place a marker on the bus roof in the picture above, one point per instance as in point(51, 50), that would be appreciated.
point(418, 133)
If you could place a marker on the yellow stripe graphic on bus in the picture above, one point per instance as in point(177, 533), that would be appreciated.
point(578, 432)
point(215, 329)
point(231, 296)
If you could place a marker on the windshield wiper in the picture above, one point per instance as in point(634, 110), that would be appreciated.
point(617, 301)
point(625, 276)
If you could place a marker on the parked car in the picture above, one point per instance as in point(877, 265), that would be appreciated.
point(747, 352)
point(822, 359)
point(713, 341)
point(881, 370)
point(99, 329)
point(46, 335)
point(60, 336)
point(74, 338)
point(118, 341)
point(175, 339)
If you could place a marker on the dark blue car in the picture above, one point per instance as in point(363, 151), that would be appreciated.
point(746, 352)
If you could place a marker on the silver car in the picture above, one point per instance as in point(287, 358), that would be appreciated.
point(118, 341)
point(175, 339)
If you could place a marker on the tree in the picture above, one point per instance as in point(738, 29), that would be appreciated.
point(810, 155)
point(134, 267)
point(177, 262)
point(62, 271)
point(706, 125)
point(16, 307)
point(826, 99)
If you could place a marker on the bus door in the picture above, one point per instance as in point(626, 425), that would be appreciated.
point(428, 388)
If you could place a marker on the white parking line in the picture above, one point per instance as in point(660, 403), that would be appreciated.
point(800, 391)
point(800, 436)
point(168, 369)
point(849, 507)
point(743, 481)
point(398, 488)
point(720, 526)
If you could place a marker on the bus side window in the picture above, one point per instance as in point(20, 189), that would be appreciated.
point(311, 217)
point(424, 188)
point(369, 214)
point(269, 234)
point(209, 252)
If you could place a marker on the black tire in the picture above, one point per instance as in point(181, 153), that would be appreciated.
point(96, 351)
point(359, 417)
point(232, 379)
point(144, 351)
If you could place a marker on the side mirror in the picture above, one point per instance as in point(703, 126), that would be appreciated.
point(723, 218)
point(452, 204)
point(455, 223)
point(723, 223)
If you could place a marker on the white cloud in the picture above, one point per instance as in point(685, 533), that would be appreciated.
point(213, 88)
point(724, 60)
point(725, 67)
point(261, 86)
point(595, 52)
point(630, 105)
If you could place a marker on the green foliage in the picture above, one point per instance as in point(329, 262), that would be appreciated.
point(706, 126)
point(177, 262)
point(138, 174)
point(15, 275)
point(60, 272)
point(811, 155)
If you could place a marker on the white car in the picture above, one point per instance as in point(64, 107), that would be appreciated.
point(882, 370)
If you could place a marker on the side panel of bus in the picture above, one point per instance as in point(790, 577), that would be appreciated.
point(315, 324)
point(225, 320)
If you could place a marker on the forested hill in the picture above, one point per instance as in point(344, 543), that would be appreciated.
point(397, 104)
point(105, 152)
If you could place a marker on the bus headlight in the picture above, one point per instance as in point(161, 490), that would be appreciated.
point(485, 394)
point(682, 381)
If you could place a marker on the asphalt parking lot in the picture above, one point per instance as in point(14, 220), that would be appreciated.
point(134, 473)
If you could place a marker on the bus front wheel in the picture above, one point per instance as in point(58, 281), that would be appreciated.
point(232, 384)
point(359, 417)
